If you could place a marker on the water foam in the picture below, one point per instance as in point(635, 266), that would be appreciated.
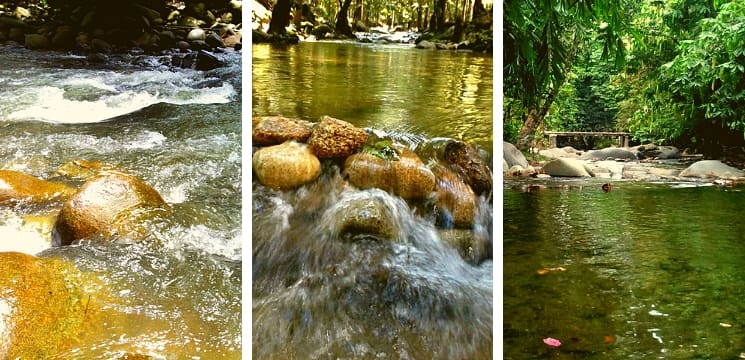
point(109, 95)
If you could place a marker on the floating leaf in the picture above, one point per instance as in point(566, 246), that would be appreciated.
point(552, 342)
point(545, 271)
point(609, 339)
point(725, 325)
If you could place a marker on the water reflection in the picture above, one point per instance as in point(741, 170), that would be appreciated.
point(432, 93)
point(651, 272)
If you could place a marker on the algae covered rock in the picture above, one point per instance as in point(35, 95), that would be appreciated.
point(364, 212)
point(334, 138)
point(274, 130)
point(285, 166)
point(16, 186)
point(44, 305)
point(407, 177)
point(111, 203)
point(82, 169)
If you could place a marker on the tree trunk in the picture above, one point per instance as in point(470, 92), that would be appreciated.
point(480, 16)
point(437, 23)
point(342, 21)
point(537, 114)
point(280, 17)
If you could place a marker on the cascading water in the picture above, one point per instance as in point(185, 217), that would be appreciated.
point(321, 290)
point(177, 293)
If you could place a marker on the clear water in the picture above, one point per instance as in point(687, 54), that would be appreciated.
point(390, 87)
point(321, 294)
point(178, 291)
point(651, 271)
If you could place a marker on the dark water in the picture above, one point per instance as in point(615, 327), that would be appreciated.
point(394, 88)
point(652, 271)
point(321, 293)
point(178, 292)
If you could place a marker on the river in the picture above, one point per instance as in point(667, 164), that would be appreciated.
point(319, 294)
point(178, 292)
point(645, 271)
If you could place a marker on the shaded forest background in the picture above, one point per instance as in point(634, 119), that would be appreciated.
point(668, 71)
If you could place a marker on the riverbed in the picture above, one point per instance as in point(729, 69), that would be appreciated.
point(647, 270)
point(177, 293)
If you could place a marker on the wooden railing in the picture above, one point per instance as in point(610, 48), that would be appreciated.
point(623, 137)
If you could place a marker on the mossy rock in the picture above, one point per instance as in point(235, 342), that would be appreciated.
point(82, 169)
point(44, 304)
point(111, 204)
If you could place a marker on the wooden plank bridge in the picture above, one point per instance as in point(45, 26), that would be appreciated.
point(623, 137)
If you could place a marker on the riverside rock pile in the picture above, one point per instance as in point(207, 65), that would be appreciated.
point(446, 189)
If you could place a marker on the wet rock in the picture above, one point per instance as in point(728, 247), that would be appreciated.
point(64, 38)
point(566, 167)
point(82, 169)
point(214, 41)
point(36, 41)
point(111, 203)
point(334, 138)
point(286, 166)
point(467, 163)
point(183, 45)
point(17, 34)
point(274, 130)
point(364, 213)
point(16, 187)
point(100, 46)
point(712, 169)
point(207, 61)
point(198, 45)
point(609, 153)
point(427, 45)
point(513, 156)
point(43, 306)
point(321, 31)
point(407, 177)
point(455, 202)
point(470, 247)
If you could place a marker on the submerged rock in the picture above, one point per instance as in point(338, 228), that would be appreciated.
point(16, 186)
point(274, 130)
point(334, 138)
point(111, 203)
point(43, 306)
point(82, 169)
point(364, 213)
point(286, 166)
point(712, 169)
point(470, 247)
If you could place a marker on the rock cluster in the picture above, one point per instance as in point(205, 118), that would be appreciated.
point(446, 189)
point(192, 30)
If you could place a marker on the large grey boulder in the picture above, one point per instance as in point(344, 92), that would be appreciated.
point(712, 169)
point(556, 153)
point(566, 168)
point(513, 156)
point(609, 153)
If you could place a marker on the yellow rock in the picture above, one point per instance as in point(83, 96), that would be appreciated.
point(16, 186)
point(286, 166)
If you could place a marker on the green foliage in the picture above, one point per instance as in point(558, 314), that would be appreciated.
point(382, 149)
point(707, 77)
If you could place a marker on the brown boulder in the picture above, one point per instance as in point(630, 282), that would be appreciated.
point(111, 203)
point(285, 166)
point(467, 163)
point(334, 138)
point(16, 186)
point(364, 213)
point(274, 130)
point(408, 177)
point(455, 201)
point(82, 169)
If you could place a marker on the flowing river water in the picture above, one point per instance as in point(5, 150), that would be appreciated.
point(176, 294)
point(318, 293)
point(645, 271)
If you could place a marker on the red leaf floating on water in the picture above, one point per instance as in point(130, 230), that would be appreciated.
point(552, 342)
